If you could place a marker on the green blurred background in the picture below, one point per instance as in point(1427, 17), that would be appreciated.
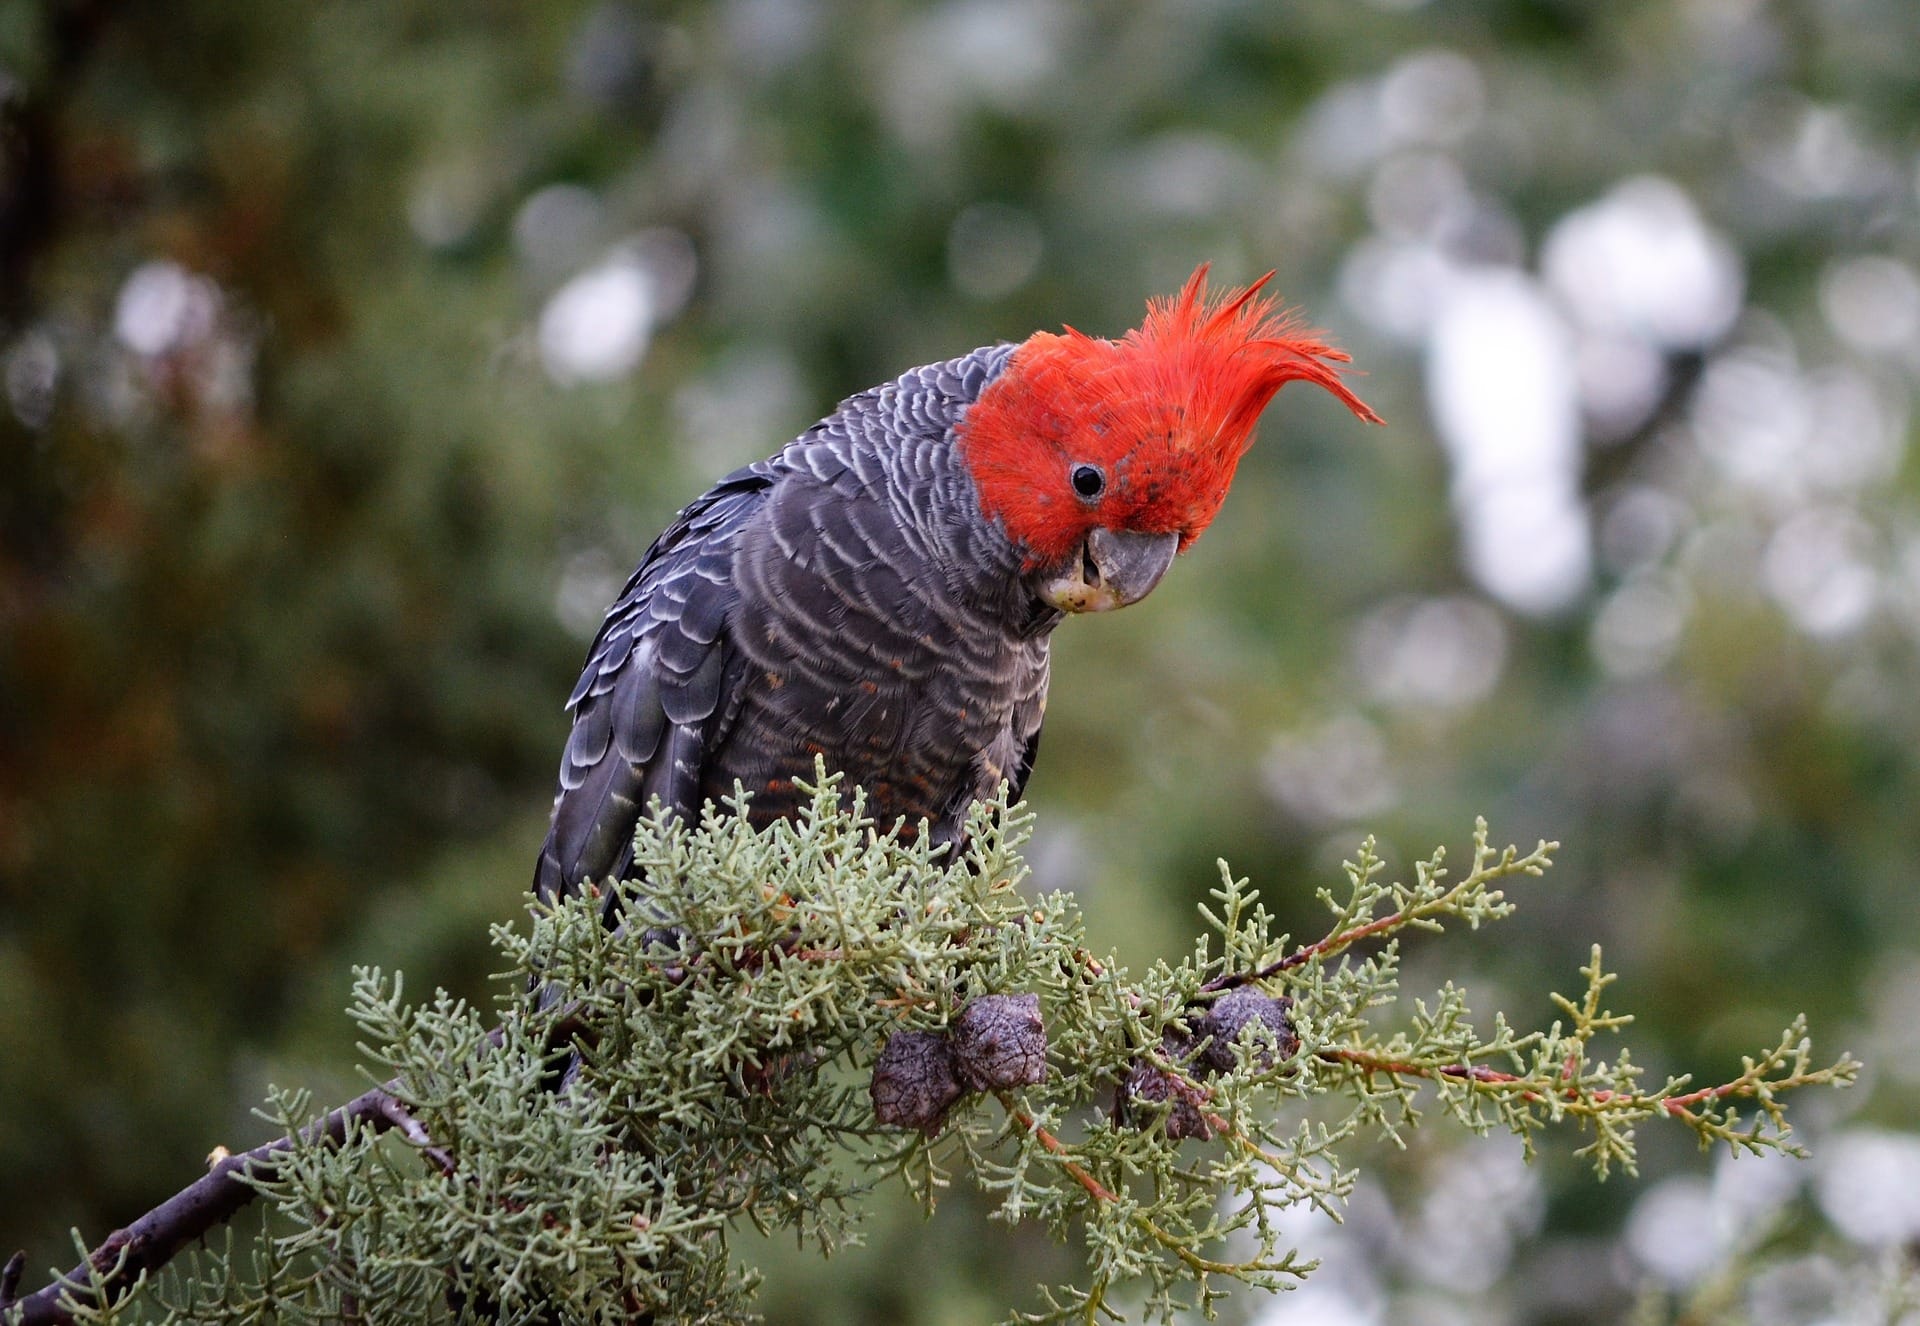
point(353, 352)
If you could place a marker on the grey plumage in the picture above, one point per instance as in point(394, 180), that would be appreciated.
point(844, 598)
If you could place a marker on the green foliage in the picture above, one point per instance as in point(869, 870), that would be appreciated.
point(589, 1150)
point(287, 609)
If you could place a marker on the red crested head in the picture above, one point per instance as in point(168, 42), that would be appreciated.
point(1138, 436)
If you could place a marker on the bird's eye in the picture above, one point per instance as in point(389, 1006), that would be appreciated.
point(1088, 481)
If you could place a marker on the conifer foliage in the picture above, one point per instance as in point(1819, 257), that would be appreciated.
point(792, 1015)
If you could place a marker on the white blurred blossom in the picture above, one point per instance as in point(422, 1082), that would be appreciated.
point(1684, 1228)
point(1344, 130)
point(1345, 1288)
point(163, 307)
point(1622, 379)
point(1641, 263)
point(1806, 149)
point(1748, 1190)
point(597, 326)
point(1787, 434)
point(1432, 96)
point(1640, 623)
point(1671, 1231)
point(1639, 525)
point(1183, 173)
point(1334, 772)
point(1868, 1185)
point(1500, 376)
point(1819, 567)
point(1893, 993)
point(1482, 1200)
point(1001, 53)
point(1872, 302)
point(1398, 286)
point(1417, 195)
point(1440, 653)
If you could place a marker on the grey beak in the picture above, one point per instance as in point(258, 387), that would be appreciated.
point(1115, 568)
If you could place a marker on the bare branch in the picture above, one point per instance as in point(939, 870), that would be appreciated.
point(129, 1255)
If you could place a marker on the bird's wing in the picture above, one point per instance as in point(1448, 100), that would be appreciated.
point(649, 706)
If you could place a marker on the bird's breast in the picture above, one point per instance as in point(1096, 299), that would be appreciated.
point(855, 654)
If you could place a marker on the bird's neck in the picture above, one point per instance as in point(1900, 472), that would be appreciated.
point(934, 497)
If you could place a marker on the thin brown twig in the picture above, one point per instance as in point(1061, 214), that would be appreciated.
point(1504, 863)
point(128, 1255)
point(1746, 1084)
point(1332, 943)
point(1373, 1063)
point(112, 1270)
point(10, 1279)
point(398, 1116)
point(1100, 1192)
point(1056, 1147)
point(1679, 1104)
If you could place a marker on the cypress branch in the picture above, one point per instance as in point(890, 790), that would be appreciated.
point(821, 991)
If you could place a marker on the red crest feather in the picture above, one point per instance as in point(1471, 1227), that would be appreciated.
point(1165, 413)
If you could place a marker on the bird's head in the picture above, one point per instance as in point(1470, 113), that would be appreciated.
point(1102, 458)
